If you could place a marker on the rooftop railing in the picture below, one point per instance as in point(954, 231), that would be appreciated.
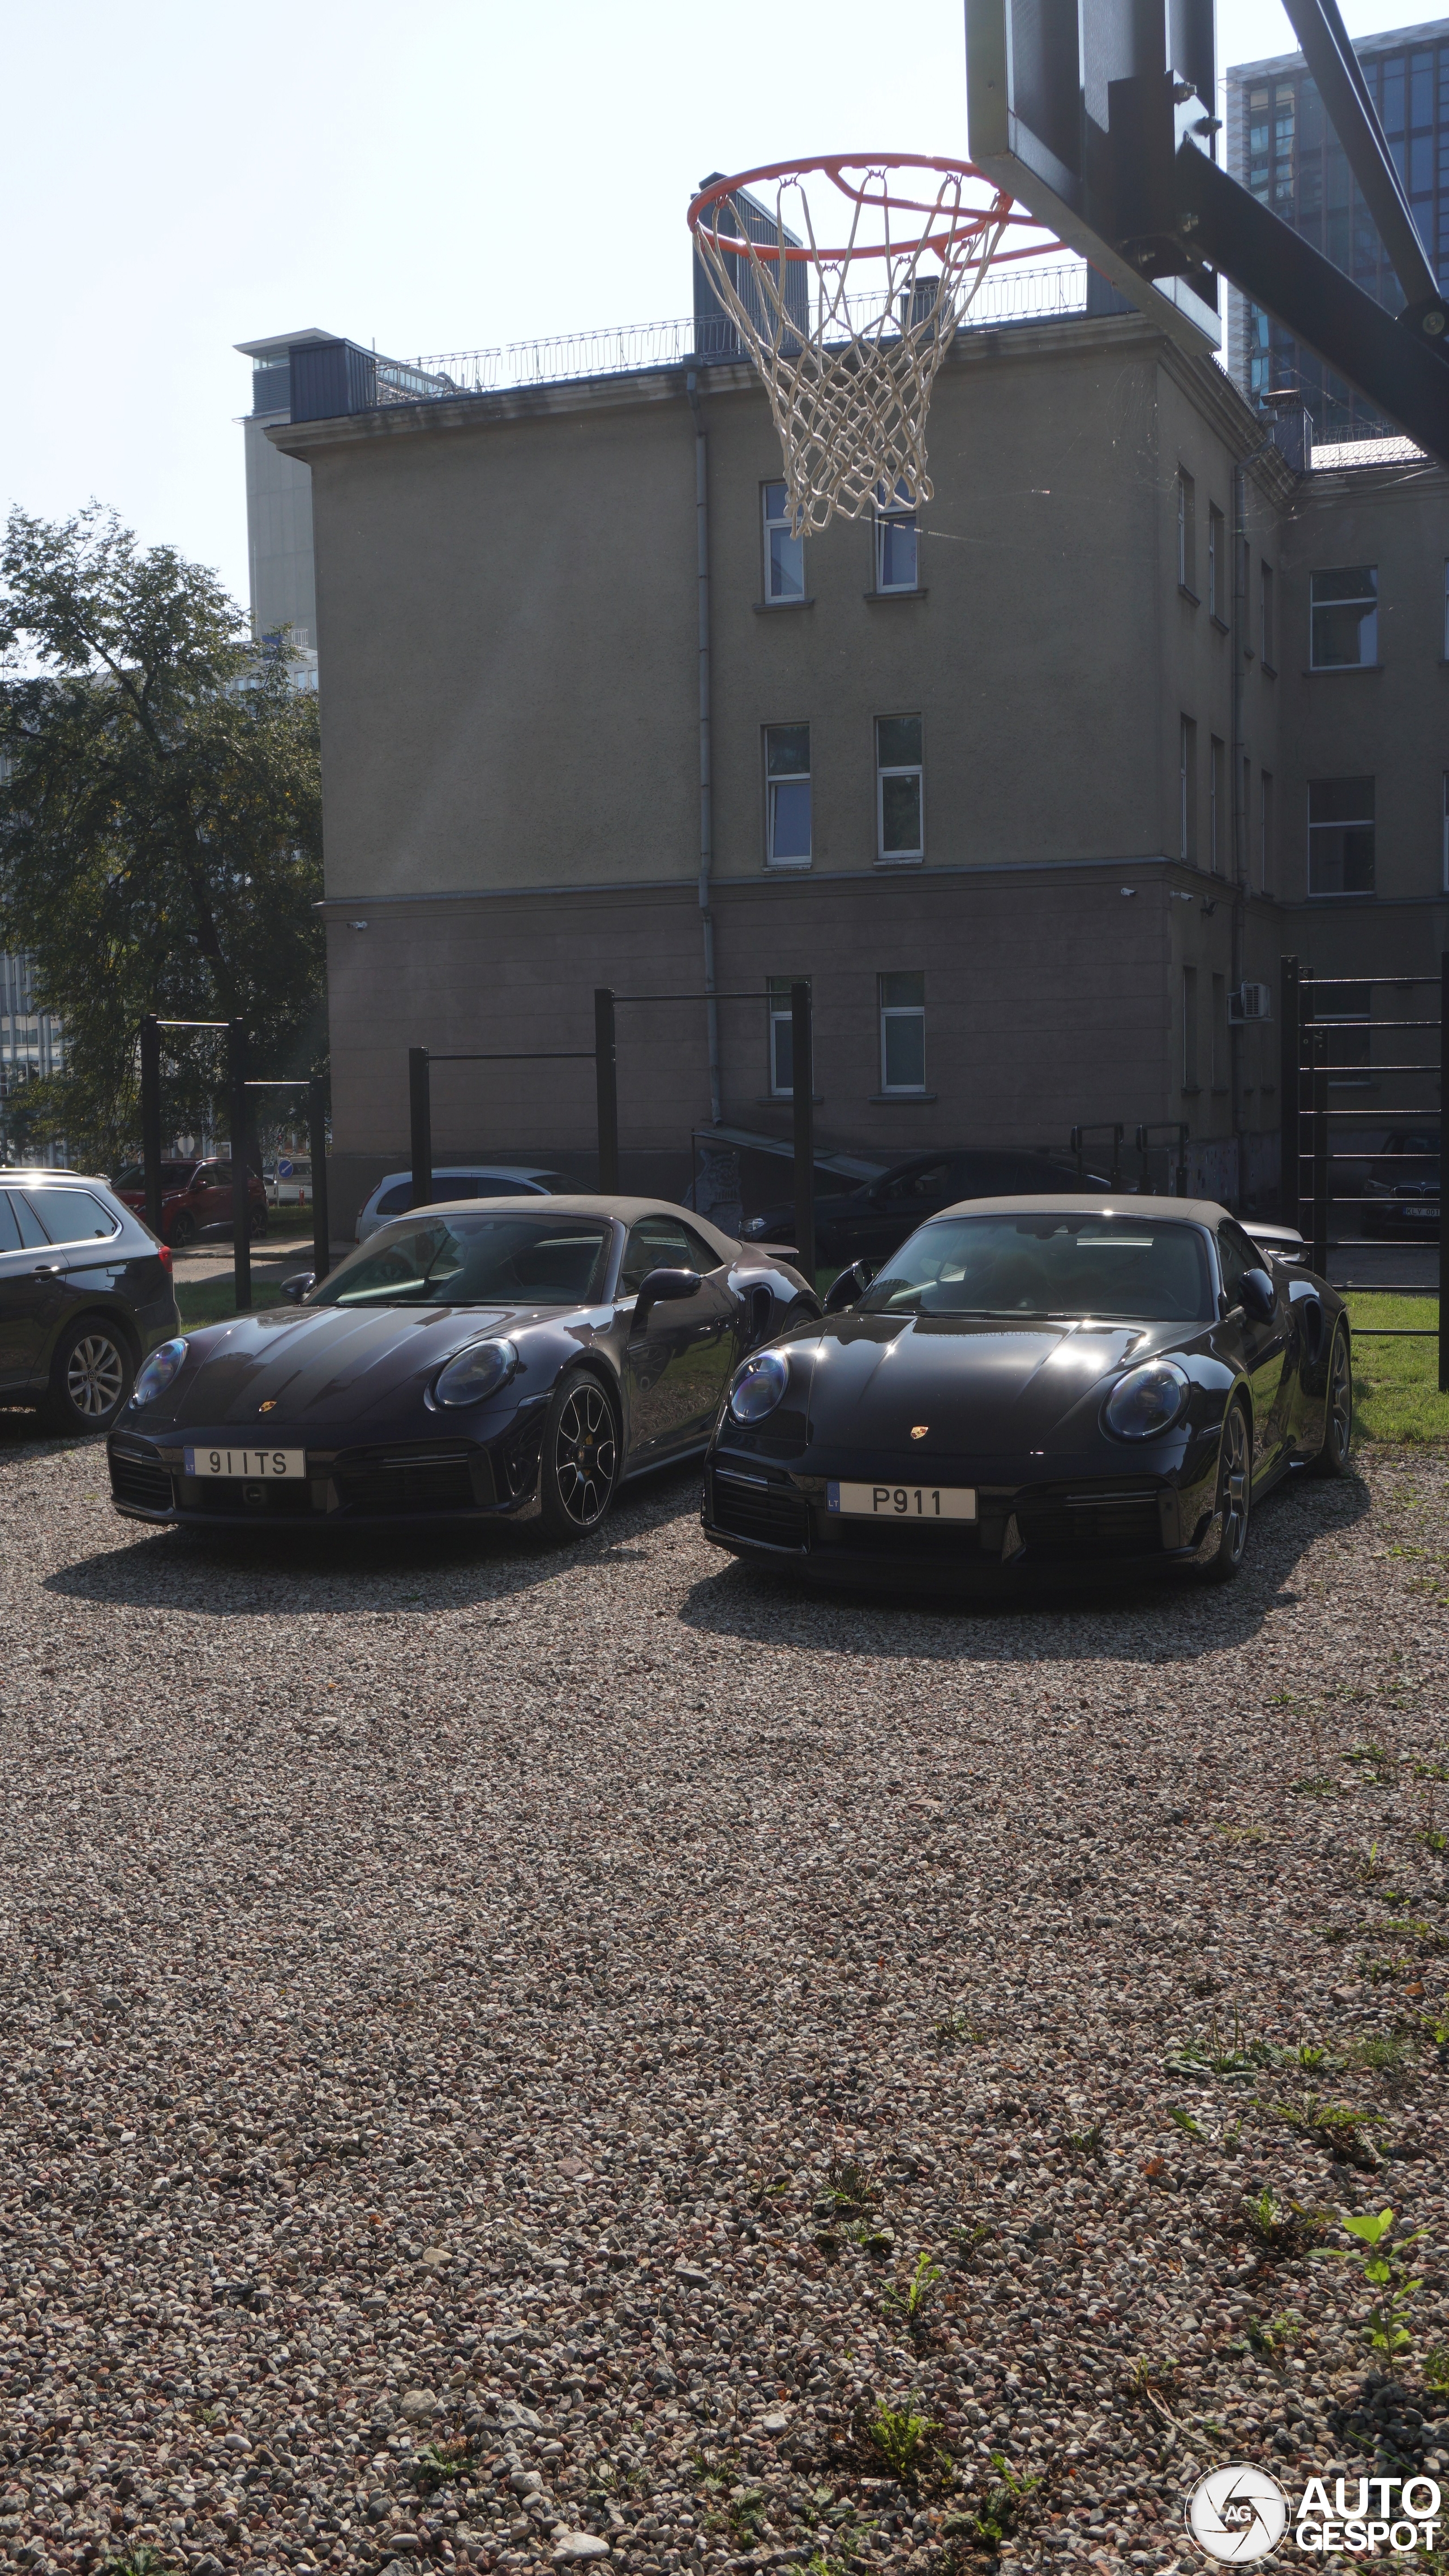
point(1005, 295)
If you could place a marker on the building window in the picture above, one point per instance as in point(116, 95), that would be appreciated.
point(1266, 629)
point(899, 788)
point(1187, 790)
point(897, 561)
point(1348, 1045)
point(1216, 818)
point(1345, 618)
point(787, 795)
point(1217, 565)
point(1218, 1040)
point(1186, 532)
point(1340, 836)
point(902, 1032)
point(782, 1035)
point(784, 554)
point(1265, 830)
point(1189, 1028)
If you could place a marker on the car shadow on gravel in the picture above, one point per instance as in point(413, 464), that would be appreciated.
point(1091, 1611)
point(326, 1569)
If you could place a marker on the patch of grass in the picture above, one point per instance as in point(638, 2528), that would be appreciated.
point(1396, 1384)
point(1380, 2055)
point(213, 1301)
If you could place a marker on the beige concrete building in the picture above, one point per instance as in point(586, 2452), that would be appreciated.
point(1025, 789)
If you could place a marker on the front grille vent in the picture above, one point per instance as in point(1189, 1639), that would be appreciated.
point(775, 1515)
point(406, 1485)
point(141, 1482)
point(1091, 1520)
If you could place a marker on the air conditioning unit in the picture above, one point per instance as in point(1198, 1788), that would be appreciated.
point(1251, 1002)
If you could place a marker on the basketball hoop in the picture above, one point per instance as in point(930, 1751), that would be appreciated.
point(848, 339)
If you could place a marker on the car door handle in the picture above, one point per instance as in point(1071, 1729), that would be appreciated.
point(48, 1269)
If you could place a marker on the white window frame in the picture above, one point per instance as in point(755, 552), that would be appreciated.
point(899, 769)
point(895, 515)
point(1340, 894)
point(900, 1011)
point(1360, 600)
point(777, 598)
point(781, 1013)
point(790, 778)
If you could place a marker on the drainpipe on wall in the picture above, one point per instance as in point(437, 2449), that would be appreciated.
point(706, 789)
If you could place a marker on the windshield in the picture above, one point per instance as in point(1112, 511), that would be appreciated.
point(1131, 1269)
point(475, 1261)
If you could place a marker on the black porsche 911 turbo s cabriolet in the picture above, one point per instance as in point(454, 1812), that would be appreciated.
point(471, 1362)
point(1036, 1382)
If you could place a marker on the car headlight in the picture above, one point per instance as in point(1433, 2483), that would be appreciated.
point(757, 1386)
point(478, 1371)
point(756, 1225)
point(1147, 1400)
point(157, 1372)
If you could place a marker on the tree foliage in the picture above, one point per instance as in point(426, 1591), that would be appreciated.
point(160, 823)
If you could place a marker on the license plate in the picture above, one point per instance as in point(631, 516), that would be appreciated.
point(253, 1464)
point(902, 1502)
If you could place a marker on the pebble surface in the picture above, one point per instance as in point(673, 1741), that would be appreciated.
point(514, 2059)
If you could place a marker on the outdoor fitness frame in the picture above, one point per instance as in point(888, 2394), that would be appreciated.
point(238, 1086)
point(603, 1055)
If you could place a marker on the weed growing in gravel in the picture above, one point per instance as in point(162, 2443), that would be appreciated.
point(871, 2240)
point(1233, 2061)
point(1380, 2055)
point(1434, 1840)
point(142, 2561)
point(745, 2511)
point(1271, 2338)
point(1436, 2367)
point(437, 2462)
point(1380, 1764)
point(1431, 1770)
point(1086, 2142)
point(968, 2240)
point(913, 2298)
point(1383, 2267)
point(900, 2438)
point(849, 2187)
point(1285, 2227)
point(1333, 2125)
point(1186, 2122)
point(956, 2032)
point(1003, 2503)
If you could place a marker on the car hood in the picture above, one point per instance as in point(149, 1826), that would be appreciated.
point(974, 1385)
point(325, 1365)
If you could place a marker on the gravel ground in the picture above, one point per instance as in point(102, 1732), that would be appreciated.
point(512, 2057)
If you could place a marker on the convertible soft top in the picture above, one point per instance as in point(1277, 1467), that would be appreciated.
point(592, 1203)
point(1090, 1203)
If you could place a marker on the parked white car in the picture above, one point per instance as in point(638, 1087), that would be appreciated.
point(393, 1195)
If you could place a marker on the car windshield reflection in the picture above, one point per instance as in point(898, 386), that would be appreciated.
point(474, 1261)
point(1048, 1268)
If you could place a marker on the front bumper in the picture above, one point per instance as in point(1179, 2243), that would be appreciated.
point(378, 1482)
point(1158, 1514)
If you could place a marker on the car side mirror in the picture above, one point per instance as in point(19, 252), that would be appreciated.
point(663, 1288)
point(297, 1286)
point(1259, 1298)
point(851, 1284)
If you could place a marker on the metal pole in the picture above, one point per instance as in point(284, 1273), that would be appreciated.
point(151, 1118)
point(1290, 1058)
point(420, 1114)
point(1443, 1111)
point(1079, 1150)
point(606, 1089)
point(1320, 1152)
point(241, 1204)
point(1115, 1175)
point(317, 1142)
point(1182, 1158)
point(802, 1083)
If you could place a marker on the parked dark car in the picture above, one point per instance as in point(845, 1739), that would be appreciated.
point(1401, 1186)
point(1030, 1383)
point(85, 1295)
point(868, 1224)
point(195, 1197)
point(501, 1359)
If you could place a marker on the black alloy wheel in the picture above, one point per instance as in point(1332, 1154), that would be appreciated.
point(1233, 1510)
point(580, 1464)
point(183, 1230)
point(1332, 1458)
point(256, 1222)
point(90, 1377)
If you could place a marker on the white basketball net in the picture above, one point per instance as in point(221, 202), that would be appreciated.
point(849, 376)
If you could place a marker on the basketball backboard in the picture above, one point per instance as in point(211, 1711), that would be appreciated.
point(1077, 106)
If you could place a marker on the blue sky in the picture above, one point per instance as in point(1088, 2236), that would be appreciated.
point(440, 175)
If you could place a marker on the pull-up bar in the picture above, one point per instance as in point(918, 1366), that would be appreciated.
point(316, 1090)
point(603, 1055)
point(238, 1086)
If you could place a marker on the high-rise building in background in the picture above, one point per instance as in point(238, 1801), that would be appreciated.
point(1281, 146)
point(280, 576)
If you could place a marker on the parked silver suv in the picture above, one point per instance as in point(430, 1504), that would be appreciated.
point(85, 1293)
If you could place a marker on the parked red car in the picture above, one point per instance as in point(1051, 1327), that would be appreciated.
point(193, 1197)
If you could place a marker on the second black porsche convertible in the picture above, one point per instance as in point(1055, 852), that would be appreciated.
point(1036, 1382)
point(470, 1362)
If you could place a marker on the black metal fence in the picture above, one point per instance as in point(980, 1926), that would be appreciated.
point(1333, 1037)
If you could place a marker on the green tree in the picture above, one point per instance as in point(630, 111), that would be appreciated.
point(160, 824)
